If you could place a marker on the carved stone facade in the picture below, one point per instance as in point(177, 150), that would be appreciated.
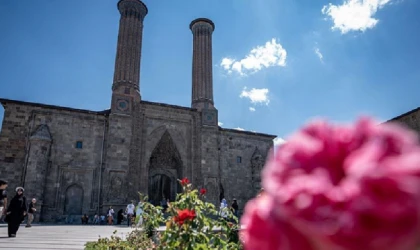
point(79, 161)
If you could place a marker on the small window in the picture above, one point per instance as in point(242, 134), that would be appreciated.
point(79, 144)
point(238, 159)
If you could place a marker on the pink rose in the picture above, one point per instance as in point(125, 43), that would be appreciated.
point(262, 231)
point(347, 187)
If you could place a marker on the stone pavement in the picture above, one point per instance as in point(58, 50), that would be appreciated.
point(57, 236)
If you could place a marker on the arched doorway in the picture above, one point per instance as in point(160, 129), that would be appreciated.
point(165, 167)
point(73, 200)
point(162, 186)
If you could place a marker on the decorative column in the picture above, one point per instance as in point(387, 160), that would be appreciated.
point(127, 62)
point(202, 66)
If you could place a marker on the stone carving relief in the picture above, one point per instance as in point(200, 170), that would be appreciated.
point(166, 134)
point(212, 186)
point(257, 164)
point(115, 189)
point(69, 176)
point(75, 162)
point(42, 133)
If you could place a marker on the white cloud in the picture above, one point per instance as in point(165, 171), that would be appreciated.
point(354, 15)
point(220, 124)
point(257, 96)
point(240, 129)
point(226, 63)
point(270, 55)
point(252, 109)
point(278, 141)
point(319, 54)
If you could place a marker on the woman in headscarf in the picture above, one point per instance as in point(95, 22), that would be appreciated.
point(223, 209)
point(139, 214)
point(16, 212)
point(235, 207)
point(120, 216)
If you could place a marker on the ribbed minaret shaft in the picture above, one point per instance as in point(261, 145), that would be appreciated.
point(127, 62)
point(202, 65)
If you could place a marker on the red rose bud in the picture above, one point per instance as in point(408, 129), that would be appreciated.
point(185, 181)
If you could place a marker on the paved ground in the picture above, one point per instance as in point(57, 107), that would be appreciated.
point(56, 236)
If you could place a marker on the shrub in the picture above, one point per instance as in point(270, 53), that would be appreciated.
point(192, 224)
point(136, 239)
point(195, 224)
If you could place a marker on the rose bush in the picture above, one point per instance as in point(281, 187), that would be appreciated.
point(135, 240)
point(337, 187)
point(192, 223)
point(195, 224)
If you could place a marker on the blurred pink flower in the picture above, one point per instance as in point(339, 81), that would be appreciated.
point(263, 232)
point(348, 187)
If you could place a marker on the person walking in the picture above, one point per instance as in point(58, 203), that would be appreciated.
point(110, 216)
point(130, 212)
point(223, 212)
point(3, 198)
point(235, 207)
point(139, 214)
point(16, 212)
point(31, 211)
point(120, 216)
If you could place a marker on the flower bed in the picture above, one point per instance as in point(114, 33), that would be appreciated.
point(193, 223)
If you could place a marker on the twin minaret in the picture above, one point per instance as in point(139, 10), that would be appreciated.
point(202, 67)
point(127, 62)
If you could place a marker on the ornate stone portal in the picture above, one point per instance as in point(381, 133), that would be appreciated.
point(165, 167)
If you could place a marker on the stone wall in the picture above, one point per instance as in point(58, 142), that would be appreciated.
point(13, 143)
point(410, 119)
point(71, 173)
point(242, 157)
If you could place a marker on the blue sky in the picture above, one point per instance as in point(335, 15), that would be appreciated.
point(334, 58)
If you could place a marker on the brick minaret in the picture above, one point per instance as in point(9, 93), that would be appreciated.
point(202, 72)
point(127, 62)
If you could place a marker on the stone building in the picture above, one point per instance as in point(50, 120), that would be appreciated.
point(410, 119)
point(80, 161)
